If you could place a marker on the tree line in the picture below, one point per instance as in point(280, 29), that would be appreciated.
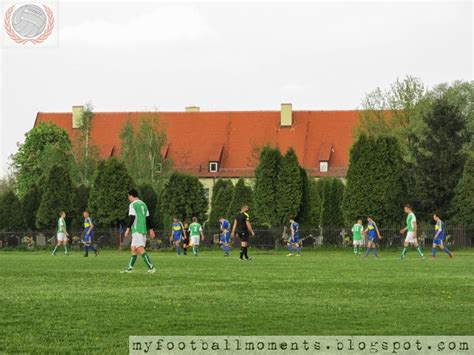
point(412, 145)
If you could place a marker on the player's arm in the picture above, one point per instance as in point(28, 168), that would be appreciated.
point(202, 233)
point(149, 226)
point(64, 228)
point(403, 230)
point(415, 227)
point(249, 226)
point(131, 220)
point(234, 227)
point(91, 226)
point(378, 232)
point(171, 234)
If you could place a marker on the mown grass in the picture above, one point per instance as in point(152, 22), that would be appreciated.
point(78, 305)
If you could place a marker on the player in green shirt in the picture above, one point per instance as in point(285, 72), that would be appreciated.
point(139, 224)
point(411, 230)
point(61, 233)
point(357, 230)
point(195, 235)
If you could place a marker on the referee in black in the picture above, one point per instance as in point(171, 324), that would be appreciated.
point(243, 227)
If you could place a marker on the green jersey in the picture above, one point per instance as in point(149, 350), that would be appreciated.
point(61, 225)
point(195, 229)
point(139, 209)
point(411, 218)
point(357, 231)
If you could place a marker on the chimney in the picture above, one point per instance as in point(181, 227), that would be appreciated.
point(77, 116)
point(286, 115)
point(192, 109)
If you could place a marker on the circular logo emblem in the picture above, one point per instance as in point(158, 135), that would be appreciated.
point(29, 23)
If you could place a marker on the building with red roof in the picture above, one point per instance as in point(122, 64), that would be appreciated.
point(225, 144)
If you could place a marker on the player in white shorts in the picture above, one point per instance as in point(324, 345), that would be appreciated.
point(139, 224)
point(411, 230)
point(195, 235)
point(62, 234)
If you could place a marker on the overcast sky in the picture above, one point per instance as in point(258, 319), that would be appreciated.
point(232, 56)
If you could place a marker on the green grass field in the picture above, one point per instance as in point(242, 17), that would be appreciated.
point(73, 304)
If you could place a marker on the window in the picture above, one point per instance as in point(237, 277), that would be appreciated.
point(213, 167)
point(323, 166)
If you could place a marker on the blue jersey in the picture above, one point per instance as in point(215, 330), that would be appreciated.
point(439, 227)
point(225, 225)
point(372, 227)
point(177, 230)
point(295, 228)
point(88, 227)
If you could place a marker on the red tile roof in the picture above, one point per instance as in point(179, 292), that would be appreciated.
point(232, 137)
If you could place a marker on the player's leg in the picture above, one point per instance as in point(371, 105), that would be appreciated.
point(146, 258)
point(369, 248)
point(290, 248)
point(185, 248)
point(86, 250)
point(246, 248)
point(133, 258)
point(418, 247)
point(433, 249)
point(445, 249)
point(298, 249)
point(178, 247)
point(356, 247)
point(405, 246)
point(56, 247)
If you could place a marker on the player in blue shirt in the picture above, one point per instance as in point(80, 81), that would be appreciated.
point(373, 236)
point(440, 232)
point(177, 234)
point(88, 234)
point(224, 238)
point(294, 241)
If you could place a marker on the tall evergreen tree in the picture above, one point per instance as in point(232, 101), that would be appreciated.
point(56, 196)
point(220, 204)
point(462, 207)
point(108, 200)
point(288, 187)
point(148, 195)
point(31, 202)
point(266, 176)
point(375, 181)
point(242, 195)
point(316, 200)
point(219, 185)
point(331, 212)
point(80, 202)
point(305, 212)
point(438, 154)
point(11, 213)
point(183, 197)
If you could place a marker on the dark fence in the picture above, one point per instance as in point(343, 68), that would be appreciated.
point(459, 237)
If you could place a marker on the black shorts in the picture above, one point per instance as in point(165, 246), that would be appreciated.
point(185, 241)
point(244, 236)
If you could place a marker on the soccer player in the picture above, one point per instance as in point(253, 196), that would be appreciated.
point(439, 237)
point(411, 229)
point(243, 227)
point(373, 236)
point(357, 230)
point(185, 238)
point(177, 234)
point(195, 235)
point(294, 241)
point(88, 234)
point(225, 235)
point(62, 234)
point(138, 223)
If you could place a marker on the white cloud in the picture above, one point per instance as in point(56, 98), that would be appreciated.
point(166, 23)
